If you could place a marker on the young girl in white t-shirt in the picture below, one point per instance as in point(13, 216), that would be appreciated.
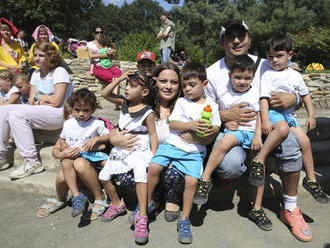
point(137, 117)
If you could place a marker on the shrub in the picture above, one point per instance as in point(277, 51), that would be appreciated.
point(136, 42)
point(311, 46)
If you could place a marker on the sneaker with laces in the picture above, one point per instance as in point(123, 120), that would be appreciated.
point(202, 192)
point(141, 229)
point(260, 218)
point(151, 207)
point(114, 211)
point(316, 190)
point(27, 169)
point(298, 226)
point(184, 233)
point(78, 204)
point(3, 164)
point(256, 176)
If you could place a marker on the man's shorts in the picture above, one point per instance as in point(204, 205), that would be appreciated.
point(276, 116)
point(185, 162)
point(244, 138)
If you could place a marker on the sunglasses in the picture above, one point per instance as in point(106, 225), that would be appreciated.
point(98, 32)
point(137, 77)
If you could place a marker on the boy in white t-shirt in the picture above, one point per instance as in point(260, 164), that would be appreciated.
point(281, 78)
point(9, 94)
point(186, 158)
point(239, 90)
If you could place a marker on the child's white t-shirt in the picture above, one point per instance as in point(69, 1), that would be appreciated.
point(288, 80)
point(76, 133)
point(186, 110)
point(5, 96)
point(230, 97)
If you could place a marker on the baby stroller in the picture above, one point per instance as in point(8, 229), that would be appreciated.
point(72, 47)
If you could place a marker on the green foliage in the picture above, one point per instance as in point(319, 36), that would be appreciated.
point(136, 42)
point(312, 45)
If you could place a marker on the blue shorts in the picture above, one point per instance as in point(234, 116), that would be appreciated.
point(190, 164)
point(244, 138)
point(276, 116)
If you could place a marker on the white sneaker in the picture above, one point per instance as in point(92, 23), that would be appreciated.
point(27, 169)
point(3, 164)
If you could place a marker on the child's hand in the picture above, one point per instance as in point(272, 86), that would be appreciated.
point(266, 127)
point(231, 125)
point(70, 153)
point(311, 124)
point(256, 143)
point(90, 144)
point(198, 126)
point(62, 144)
point(210, 131)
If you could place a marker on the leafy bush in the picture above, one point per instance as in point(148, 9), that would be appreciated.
point(136, 42)
point(312, 46)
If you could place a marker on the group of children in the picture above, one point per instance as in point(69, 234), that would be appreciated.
point(83, 135)
point(14, 88)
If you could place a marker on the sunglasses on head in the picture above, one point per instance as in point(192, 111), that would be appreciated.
point(98, 32)
point(137, 77)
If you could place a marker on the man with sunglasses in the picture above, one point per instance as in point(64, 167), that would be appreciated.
point(235, 40)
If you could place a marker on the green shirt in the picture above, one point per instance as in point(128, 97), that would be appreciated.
point(105, 62)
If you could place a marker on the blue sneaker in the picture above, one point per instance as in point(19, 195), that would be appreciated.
point(150, 208)
point(184, 233)
point(78, 204)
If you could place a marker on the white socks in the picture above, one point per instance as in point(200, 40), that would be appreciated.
point(290, 202)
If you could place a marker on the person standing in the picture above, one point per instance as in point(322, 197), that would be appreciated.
point(166, 36)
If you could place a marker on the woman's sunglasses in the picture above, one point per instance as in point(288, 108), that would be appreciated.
point(98, 32)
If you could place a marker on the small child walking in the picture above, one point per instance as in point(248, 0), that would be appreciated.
point(85, 133)
point(186, 158)
point(137, 117)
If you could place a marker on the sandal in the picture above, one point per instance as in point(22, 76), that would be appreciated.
point(50, 206)
point(98, 208)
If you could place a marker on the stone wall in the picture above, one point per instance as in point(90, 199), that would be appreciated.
point(78, 68)
point(319, 86)
point(318, 83)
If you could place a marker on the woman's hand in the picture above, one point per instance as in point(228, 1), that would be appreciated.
point(123, 139)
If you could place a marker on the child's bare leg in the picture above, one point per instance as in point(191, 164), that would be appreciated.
point(274, 138)
point(217, 155)
point(258, 193)
point(188, 195)
point(141, 192)
point(89, 177)
point(70, 176)
point(61, 187)
point(306, 151)
point(154, 171)
point(110, 189)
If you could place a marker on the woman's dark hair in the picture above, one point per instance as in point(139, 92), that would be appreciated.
point(52, 57)
point(158, 70)
point(84, 96)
